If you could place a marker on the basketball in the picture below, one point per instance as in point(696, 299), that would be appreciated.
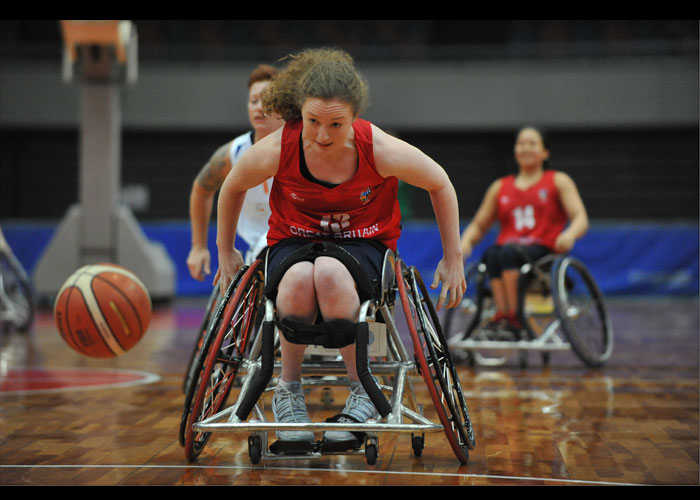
point(102, 310)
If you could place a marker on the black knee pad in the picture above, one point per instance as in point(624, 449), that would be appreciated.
point(331, 334)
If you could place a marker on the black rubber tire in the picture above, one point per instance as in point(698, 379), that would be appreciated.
point(580, 307)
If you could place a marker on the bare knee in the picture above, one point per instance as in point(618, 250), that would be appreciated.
point(335, 289)
point(296, 293)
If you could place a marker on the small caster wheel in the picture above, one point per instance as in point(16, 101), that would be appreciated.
point(254, 449)
point(523, 361)
point(470, 359)
point(371, 450)
point(371, 453)
point(418, 443)
point(327, 396)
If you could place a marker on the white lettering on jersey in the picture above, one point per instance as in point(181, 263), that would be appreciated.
point(335, 226)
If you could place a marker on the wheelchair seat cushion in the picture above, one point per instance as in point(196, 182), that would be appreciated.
point(362, 258)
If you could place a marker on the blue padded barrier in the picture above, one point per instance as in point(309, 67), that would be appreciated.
point(641, 258)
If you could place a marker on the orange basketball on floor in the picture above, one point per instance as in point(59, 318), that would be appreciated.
point(102, 310)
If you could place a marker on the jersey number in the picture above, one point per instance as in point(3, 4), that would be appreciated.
point(524, 217)
point(335, 222)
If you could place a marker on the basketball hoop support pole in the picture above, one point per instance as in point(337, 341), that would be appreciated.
point(98, 228)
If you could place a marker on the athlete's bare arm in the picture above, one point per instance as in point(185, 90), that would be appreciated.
point(204, 188)
point(394, 157)
point(256, 165)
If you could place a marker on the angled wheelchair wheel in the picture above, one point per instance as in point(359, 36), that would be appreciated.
point(16, 294)
point(535, 303)
point(223, 356)
point(210, 326)
point(208, 320)
point(461, 321)
point(581, 309)
point(435, 361)
point(209, 330)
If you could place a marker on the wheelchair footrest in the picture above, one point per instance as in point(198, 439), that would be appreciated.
point(340, 446)
point(293, 447)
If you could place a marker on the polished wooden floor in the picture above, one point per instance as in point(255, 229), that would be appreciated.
point(633, 422)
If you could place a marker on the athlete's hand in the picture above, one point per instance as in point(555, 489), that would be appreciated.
point(564, 243)
point(199, 263)
point(466, 250)
point(229, 264)
point(451, 274)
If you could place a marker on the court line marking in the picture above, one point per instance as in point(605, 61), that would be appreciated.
point(341, 471)
point(145, 379)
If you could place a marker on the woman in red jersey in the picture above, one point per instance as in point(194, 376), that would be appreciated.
point(335, 180)
point(533, 208)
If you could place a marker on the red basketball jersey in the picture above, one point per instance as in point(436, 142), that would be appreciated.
point(365, 206)
point(534, 216)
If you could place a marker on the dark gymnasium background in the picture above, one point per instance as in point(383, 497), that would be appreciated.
point(619, 100)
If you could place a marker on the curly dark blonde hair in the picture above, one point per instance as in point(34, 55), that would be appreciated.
point(315, 73)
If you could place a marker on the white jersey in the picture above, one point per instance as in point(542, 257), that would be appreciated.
point(253, 222)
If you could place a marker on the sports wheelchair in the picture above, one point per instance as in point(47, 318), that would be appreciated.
point(17, 300)
point(559, 305)
point(241, 347)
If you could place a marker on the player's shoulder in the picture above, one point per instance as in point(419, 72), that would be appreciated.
point(561, 178)
point(498, 183)
point(265, 153)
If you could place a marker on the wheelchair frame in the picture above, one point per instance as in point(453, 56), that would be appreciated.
point(253, 360)
point(548, 310)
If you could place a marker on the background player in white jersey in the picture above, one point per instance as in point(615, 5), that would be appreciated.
point(252, 227)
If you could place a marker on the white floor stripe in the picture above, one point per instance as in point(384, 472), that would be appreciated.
point(342, 471)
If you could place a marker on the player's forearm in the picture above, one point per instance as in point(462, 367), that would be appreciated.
point(472, 235)
point(228, 211)
point(201, 204)
point(446, 207)
point(578, 226)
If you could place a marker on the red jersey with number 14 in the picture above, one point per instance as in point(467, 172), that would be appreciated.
point(365, 206)
point(532, 216)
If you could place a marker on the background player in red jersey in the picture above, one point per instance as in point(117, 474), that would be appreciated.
point(533, 208)
point(335, 179)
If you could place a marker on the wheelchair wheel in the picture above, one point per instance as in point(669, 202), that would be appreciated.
point(470, 308)
point(209, 317)
point(581, 309)
point(220, 362)
point(535, 304)
point(201, 348)
point(435, 362)
point(16, 294)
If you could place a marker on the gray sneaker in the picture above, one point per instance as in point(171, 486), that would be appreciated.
point(359, 406)
point(288, 406)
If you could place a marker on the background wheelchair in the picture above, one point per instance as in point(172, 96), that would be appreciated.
point(242, 341)
point(17, 301)
point(559, 305)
